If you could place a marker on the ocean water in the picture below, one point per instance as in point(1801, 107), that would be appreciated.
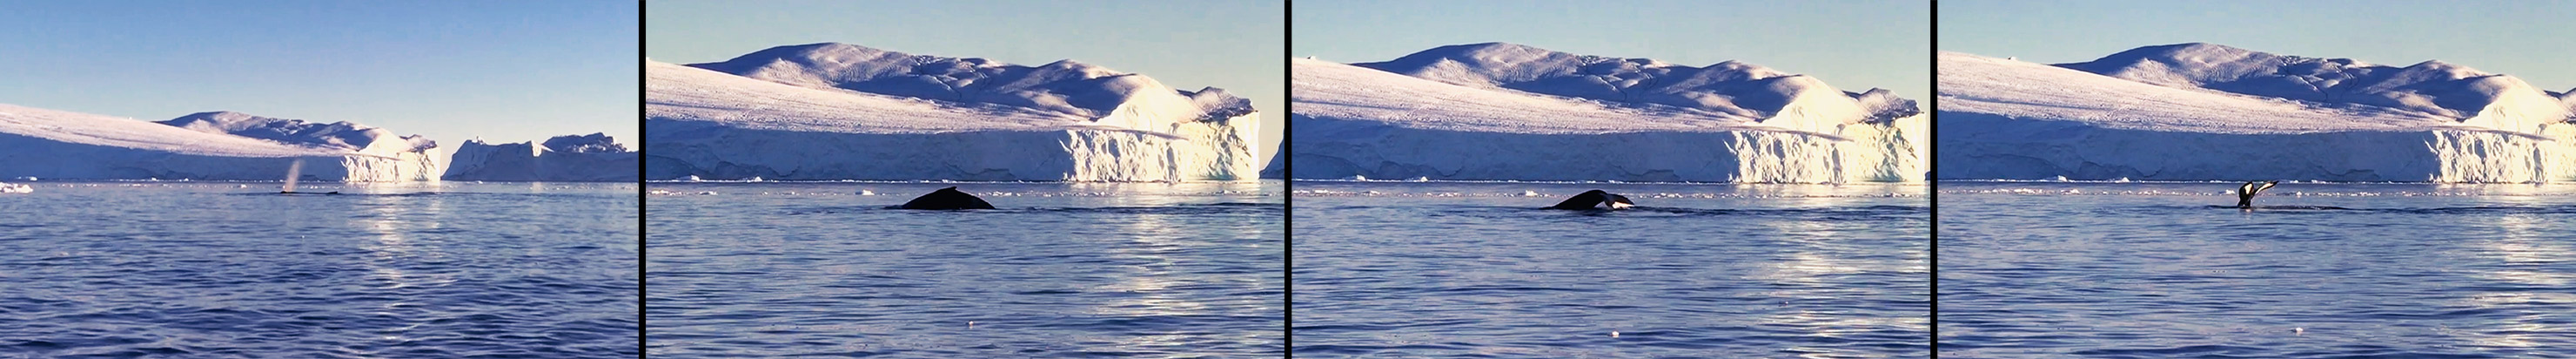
point(1059, 270)
point(1441, 269)
point(233, 270)
point(2153, 270)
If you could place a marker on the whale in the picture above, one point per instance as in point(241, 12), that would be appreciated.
point(1594, 199)
point(946, 199)
point(2245, 193)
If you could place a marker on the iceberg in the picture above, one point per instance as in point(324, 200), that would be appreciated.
point(2197, 112)
point(576, 158)
point(844, 112)
point(205, 146)
point(1278, 167)
point(1497, 111)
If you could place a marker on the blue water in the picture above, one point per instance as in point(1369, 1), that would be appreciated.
point(228, 270)
point(1057, 271)
point(2131, 270)
point(1408, 270)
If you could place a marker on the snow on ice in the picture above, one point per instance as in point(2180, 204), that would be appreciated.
point(836, 111)
point(1498, 111)
point(2212, 112)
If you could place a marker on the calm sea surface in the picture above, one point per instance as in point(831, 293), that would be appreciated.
point(1421, 270)
point(233, 270)
point(2152, 270)
point(1058, 271)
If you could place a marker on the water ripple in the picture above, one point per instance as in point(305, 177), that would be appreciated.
point(2370, 270)
point(196, 269)
point(1060, 270)
point(1712, 271)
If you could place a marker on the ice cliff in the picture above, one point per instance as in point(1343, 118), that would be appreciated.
point(2211, 112)
point(1498, 111)
point(838, 111)
point(211, 146)
point(577, 158)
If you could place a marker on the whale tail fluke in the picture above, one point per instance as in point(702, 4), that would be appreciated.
point(947, 199)
point(2245, 193)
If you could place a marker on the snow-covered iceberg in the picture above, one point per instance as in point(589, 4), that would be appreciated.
point(1498, 111)
point(210, 146)
point(579, 158)
point(2211, 112)
point(838, 111)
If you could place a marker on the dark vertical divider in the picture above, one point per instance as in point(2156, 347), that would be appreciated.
point(1288, 187)
point(1932, 183)
point(642, 151)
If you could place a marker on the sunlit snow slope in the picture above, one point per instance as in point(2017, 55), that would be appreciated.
point(837, 111)
point(1510, 112)
point(2210, 112)
point(45, 143)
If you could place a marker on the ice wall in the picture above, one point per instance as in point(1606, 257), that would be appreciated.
point(563, 159)
point(691, 148)
point(1511, 112)
point(789, 121)
point(1329, 148)
point(2207, 112)
point(68, 145)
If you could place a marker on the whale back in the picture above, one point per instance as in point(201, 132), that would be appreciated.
point(947, 199)
point(1587, 200)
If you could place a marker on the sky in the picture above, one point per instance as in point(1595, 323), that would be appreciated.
point(502, 71)
point(1186, 44)
point(2525, 39)
point(1852, 45)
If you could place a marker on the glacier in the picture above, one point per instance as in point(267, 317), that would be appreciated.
point(2202, 112)
point(573, 158)
point(1499, 111)
point(47, 143)
point(833, 111)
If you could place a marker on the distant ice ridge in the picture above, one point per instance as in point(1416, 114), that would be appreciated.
point(2210, 112)
point(574, 158)
point(212, 146)
point(1510, 112)
point(838, 111)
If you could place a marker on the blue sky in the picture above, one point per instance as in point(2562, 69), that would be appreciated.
point(1187, 44)
point(1851, 44)
point(2530, 40)
point(504, 71)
